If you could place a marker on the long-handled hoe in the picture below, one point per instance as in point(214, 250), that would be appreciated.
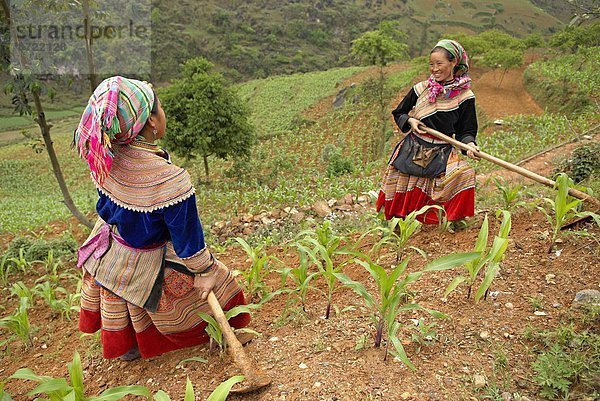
point(512, 167)
point(255, 377)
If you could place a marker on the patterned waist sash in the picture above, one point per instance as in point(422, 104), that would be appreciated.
point(128, 272)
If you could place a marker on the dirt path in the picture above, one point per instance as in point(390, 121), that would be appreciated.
point(508, 99)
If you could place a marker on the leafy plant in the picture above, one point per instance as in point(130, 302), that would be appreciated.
point(584, 162)
point(489, 258)
point(328, 268)
point(254, 277)
point(397, 231)
point(18, 323)
point(299, 275)
point(394, 296)
point(220, 393)
point(58, 388)
point(323, 236)
point(213, 329)
point(4, 269)
point(20, 262)
point(423, 334)
point(564, 208)
point(510, 193)
point(63, 304)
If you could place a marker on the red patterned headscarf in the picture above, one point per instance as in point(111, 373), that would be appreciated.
point(116, 113)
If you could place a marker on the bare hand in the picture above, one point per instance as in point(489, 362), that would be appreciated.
point(205, 283)
point(416, 125)
point(472, 154)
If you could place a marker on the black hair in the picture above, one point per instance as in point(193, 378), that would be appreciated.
point(154, 109)
point(449, 55)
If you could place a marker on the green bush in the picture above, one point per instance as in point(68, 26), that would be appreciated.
point(583, 163)
point(337, 165)
point(38, 249)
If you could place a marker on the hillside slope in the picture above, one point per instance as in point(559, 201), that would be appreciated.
point(253, 39)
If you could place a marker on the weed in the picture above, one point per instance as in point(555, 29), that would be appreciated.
point(536, 303)
point(566, 366)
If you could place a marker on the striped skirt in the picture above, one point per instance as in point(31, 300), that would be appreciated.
point(401, 194)
point(174, 325)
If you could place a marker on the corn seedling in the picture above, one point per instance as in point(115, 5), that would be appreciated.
point(20, 290)
point(214, 330)
point(19, 262)
point(397, 231)
point(325, 237)
point(393, 295)
point(327, 268)
point(53, 267)
point(300, 275)
point(4, 270)
point(18, 324)
point(220, 393)
point(564, 208)
point(510, 193)
point(489, 258)
point(254, 277)
point(60, 389)
point(63, 304)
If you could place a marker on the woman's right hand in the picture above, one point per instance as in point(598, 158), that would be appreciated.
point(205, 282)
point(416, 125)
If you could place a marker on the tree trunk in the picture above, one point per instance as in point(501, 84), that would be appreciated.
point(205, 157)
point(88, 45)
point(45, 129)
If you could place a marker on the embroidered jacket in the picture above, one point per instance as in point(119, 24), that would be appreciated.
point(454, 116)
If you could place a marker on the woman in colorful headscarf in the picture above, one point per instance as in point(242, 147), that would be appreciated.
point(146, 269)
point(445, 103)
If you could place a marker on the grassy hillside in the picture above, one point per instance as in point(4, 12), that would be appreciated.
point(254, 39)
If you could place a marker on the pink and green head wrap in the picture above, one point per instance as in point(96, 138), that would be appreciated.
point(461, 80)
point(116, 113)
point(458, 52)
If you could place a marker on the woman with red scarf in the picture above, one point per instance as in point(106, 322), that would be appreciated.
point(445, 103)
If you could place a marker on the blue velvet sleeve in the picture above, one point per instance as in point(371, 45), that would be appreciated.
point(184, 227)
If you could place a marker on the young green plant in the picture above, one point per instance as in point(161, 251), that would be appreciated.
point(220, 393)
point(18, 323)
point(397, 231)
point(300, 275)
point(213, 329)
point(58, 389)
point(564, 208)
point(510, 193)
point(392, 295)
point(328, 268)
point(254, 277)
point(489, 258)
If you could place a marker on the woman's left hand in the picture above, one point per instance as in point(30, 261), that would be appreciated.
point(472, 154)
